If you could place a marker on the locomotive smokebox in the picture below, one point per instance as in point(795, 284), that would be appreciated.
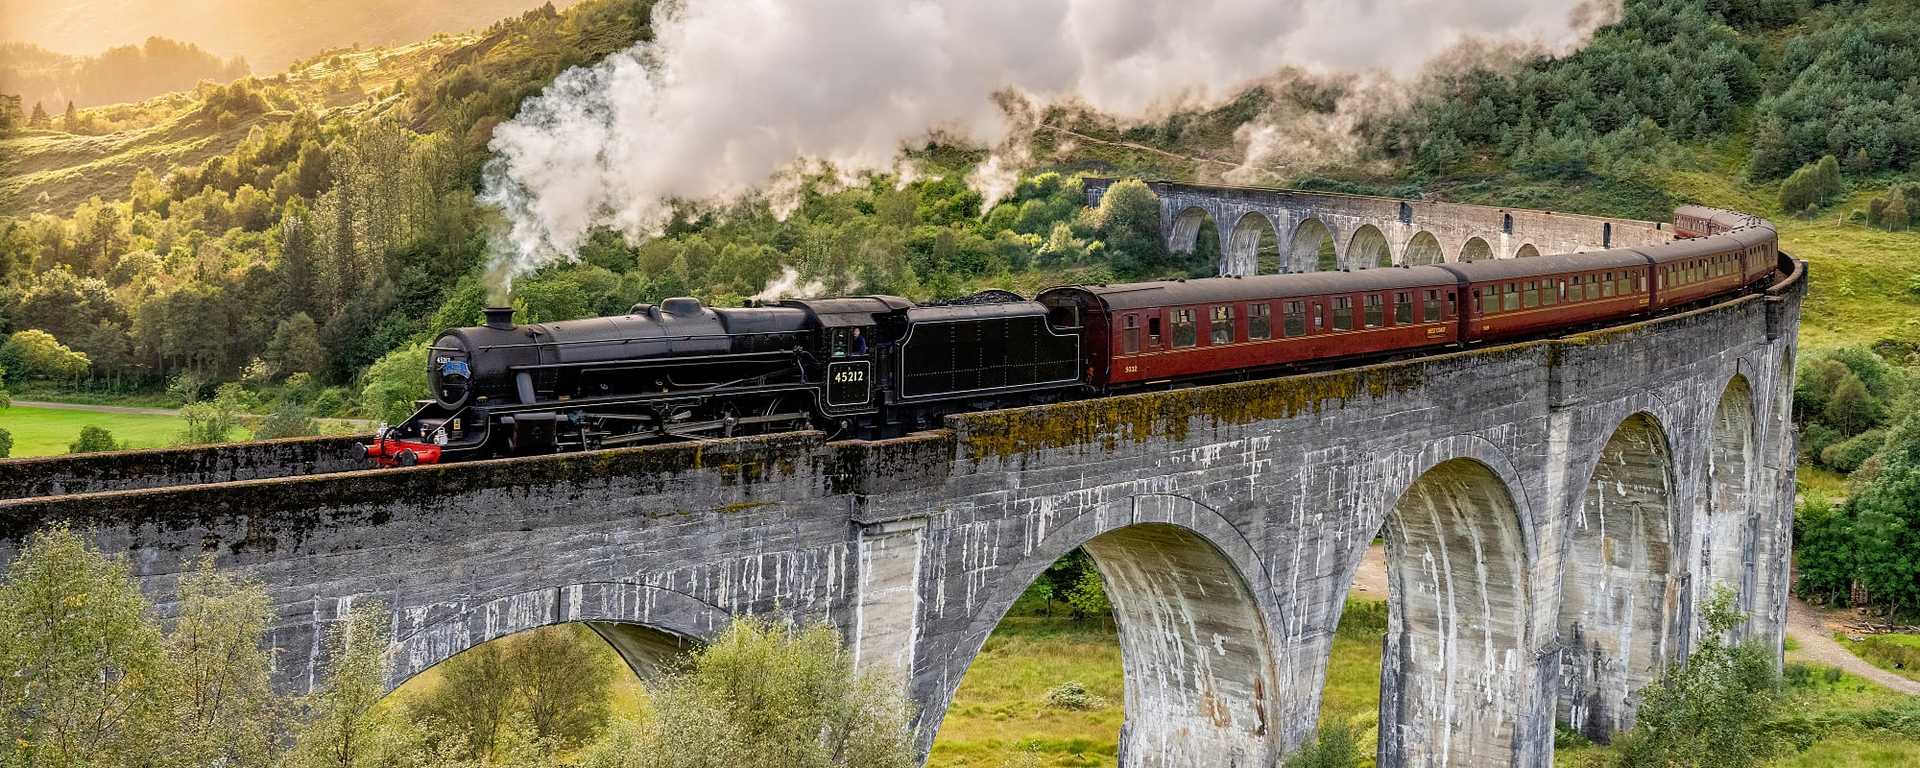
point(499, 318)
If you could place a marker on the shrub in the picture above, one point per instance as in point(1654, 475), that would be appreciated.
point(6, 443)
point(37, 353)
point(1848, 455)
point(93, 440)
point(1814, 185)
point(389, 388)
point(289, 419)
point(1089, 597)
point(763, 695)
point(1713, 709)
point(1073, 695)
point(1333, 747)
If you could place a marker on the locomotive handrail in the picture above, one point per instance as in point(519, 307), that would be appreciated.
point(632, 339)
point(668, 361)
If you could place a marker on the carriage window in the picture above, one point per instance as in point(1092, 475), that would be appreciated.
point(1222, 325)
point(1153, 331)
point(1259, 321)
point(1639, 282)
point(1550, 293)
point(1626, 283)
point(1130, 335)
point(1432, 307)
point(1296, 318)
point(1512, 300)
point(1186, 332)
point(1576, 291)
point(1531, 298)
point(1606, 285)
point(1343, 314)
point(1451, 311)
point(1489, 298)
point(1663, 278)
point(1403, 308)
point(1376, 311)
point(1319, 316)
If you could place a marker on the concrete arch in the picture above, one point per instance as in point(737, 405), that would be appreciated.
point(1618, 594)
point(1252, 234)
point(1312, 248)
point(1196, 639)
point(1457, 662)
point(1369, 248)
point(1732, 521)
point(647, 625)
point(1186, 229)
point(1423, 249)
point(1527, 251)
point(1475, 249)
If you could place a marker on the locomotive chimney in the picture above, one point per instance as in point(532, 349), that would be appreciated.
point(500, 318)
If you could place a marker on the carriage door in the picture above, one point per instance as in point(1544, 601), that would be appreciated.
point(850, 370)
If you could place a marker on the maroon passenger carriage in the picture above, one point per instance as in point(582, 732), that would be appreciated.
point(882, 366)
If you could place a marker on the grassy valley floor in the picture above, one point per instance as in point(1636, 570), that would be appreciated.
point(48, 431)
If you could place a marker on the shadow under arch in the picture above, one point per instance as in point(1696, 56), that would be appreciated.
point(1618, 598)
point(1732, 522)
point(1527, 251)
point(1196, 638)
point(1476, 249)
point(1312, 248)
point(1423, 250)
point(1369, 249)
point(646, 625)
point(1253, 247)
point(1187, 225)
point(1457, 661)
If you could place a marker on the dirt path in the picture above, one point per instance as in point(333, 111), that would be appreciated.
point(121, 409)
point(1370, 581)
point(1808, 627)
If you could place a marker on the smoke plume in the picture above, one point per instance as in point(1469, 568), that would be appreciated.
point(733, 93)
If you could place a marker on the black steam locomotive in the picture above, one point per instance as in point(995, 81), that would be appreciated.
point(869, 366)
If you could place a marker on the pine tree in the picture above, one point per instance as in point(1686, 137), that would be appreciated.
point(40, 118)
point(71, 121)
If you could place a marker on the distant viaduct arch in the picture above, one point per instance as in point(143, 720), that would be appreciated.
point(1555, 513)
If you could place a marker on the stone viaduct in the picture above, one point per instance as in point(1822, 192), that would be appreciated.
point(1313, 231)
point(1553, 511)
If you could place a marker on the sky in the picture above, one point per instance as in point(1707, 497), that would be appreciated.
point(270, 34)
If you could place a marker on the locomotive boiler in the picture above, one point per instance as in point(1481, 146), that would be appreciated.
point(863, 366)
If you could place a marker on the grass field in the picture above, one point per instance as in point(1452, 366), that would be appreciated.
point(46, 431)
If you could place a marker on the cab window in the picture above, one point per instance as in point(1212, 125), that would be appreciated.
point(849, 342)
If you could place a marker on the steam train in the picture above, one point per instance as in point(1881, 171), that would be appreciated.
point(879, 366)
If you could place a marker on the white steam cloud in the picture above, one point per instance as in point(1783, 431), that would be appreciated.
point(735, 92)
